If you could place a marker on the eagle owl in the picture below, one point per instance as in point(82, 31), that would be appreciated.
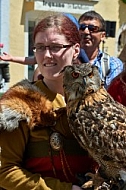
point(98, 123)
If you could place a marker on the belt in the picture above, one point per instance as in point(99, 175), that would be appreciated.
point(42, 148)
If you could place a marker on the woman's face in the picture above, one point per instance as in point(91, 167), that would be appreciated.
point(51, 60)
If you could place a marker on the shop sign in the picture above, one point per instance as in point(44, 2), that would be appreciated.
point(63, 7)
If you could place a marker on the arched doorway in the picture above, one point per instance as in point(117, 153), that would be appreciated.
point(121, 43)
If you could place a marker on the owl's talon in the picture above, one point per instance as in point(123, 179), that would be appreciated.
point(104, 186)
point(95, 182)
point(87, 185)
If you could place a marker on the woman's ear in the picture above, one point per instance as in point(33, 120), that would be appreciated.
point(76, 51)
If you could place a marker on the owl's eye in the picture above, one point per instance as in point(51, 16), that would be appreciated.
point(90, 75)
point(75, 74)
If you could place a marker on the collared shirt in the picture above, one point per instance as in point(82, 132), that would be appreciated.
point(116, 67)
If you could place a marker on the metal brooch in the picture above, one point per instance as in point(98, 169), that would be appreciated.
point(56, 141)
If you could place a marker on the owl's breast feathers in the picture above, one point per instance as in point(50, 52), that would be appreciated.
point(24, 101)
point(99, 124)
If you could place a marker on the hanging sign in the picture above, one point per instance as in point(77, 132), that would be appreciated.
point(77, 8)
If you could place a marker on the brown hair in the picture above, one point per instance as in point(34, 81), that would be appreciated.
point(62, 24)
point(90, 15)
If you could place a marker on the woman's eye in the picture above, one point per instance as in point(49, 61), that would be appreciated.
point(40, 48)
point(75, 75)
point(55, 48)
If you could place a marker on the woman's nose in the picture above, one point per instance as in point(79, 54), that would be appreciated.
point(47, 52)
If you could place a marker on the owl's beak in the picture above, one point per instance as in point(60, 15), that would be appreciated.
point(63, 70)
point(89, 91)
point(60, 72)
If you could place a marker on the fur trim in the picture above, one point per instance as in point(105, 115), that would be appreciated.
point(24, 101)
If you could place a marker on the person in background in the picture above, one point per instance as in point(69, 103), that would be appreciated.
point(32, 61)
point(92, 31)
point(117, 88)
point(47, 157)
point(22, 60)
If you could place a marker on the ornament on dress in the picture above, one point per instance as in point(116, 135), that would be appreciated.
point(56, 141)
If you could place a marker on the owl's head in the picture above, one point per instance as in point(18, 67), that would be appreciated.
point(80, 80)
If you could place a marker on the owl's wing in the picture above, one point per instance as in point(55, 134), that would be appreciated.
point(102, 128)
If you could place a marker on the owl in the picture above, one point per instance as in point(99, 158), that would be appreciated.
point(24, 101)
point(98, 123)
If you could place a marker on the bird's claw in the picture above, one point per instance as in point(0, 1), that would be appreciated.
point(104, 186)
point(96, 181)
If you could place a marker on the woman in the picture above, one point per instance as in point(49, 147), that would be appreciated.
point(43, 157)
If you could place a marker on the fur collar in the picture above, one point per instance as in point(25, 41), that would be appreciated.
point(24, 101)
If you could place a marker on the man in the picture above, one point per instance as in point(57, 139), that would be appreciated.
point(92, 31)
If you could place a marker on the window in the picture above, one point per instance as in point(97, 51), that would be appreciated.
point(110, 28)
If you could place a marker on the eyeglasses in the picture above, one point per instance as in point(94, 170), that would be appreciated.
point(54, 48)
point(90, 27)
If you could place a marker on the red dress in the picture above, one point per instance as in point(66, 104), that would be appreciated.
point(117, 89)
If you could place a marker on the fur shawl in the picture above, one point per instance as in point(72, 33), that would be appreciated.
point(24, 101)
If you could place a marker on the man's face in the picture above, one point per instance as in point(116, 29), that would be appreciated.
point(91, 34)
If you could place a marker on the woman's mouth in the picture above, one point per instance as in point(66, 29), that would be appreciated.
point(49, 64)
